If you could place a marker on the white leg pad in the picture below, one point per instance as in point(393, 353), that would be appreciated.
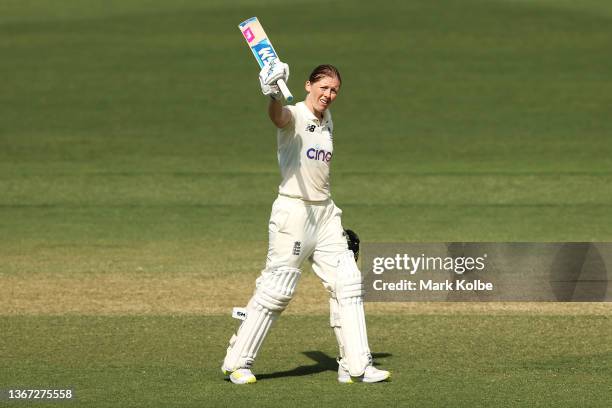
point(275, 288)
point(334, 322)
point(349, 294)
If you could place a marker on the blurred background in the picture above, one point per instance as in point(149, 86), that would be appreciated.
point(138, 165)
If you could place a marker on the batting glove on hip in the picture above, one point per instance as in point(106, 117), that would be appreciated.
point(270, 74)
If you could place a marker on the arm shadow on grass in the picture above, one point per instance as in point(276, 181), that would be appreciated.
point(323, 363)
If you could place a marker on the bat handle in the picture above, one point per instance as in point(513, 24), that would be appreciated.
point(284, 90)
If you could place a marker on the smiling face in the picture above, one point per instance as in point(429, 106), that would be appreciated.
point(321, 94)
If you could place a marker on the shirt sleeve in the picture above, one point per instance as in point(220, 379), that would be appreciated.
point(293, 110)
point(288, 132)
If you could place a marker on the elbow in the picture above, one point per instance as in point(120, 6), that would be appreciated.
point(277, 120)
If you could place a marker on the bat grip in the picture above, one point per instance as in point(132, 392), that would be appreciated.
point(284, 90)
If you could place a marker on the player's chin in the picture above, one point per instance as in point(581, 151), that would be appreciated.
point(323, 106)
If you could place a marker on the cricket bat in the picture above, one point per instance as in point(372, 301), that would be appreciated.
point(262, 49)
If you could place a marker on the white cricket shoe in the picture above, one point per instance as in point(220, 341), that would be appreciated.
point(240, 376)
point(370, 375)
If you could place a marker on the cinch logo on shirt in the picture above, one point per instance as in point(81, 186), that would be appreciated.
point(316, 154)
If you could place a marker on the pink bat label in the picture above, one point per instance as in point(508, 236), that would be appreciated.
point(248, 34)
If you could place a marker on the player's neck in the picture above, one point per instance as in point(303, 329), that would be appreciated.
point(318, 115)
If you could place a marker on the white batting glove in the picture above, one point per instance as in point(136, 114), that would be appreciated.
point(270, 74)
point(272, 91)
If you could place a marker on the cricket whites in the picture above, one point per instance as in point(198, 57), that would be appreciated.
point(262, 49)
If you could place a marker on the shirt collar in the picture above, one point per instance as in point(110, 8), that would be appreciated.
point(311, 116)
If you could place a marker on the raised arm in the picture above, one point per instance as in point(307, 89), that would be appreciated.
point(272, 72)
point(279, 115)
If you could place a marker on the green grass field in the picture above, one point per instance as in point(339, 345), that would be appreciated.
point(137, 171)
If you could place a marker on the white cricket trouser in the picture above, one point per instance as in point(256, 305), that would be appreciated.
point(300, 230)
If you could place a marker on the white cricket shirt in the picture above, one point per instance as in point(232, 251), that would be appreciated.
point(305, 151)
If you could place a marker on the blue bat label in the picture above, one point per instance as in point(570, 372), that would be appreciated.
point(264, 52)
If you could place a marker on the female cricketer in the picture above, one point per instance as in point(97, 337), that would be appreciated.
point(305, 224)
